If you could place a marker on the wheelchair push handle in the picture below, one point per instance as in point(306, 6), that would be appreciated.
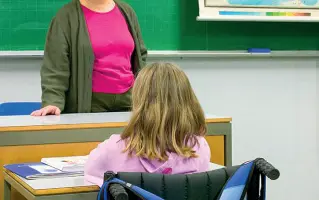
point(267, 169)
point(118, 192)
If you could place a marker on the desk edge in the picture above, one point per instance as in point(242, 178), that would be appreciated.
point(86, 126)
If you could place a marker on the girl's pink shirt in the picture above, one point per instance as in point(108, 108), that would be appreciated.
point(109, 156)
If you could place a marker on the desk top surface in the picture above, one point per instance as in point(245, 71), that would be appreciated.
point(52, 186)
point(64, 185)
point(79, 120)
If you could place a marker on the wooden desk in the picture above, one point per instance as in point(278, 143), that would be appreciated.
point(28, 139)
point(54, 189)
point(48, 189)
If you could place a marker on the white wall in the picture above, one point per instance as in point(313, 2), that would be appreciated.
point(273, 105)
point(272, 101)
point(20, 80)
point(317, 115)
point(317, 125)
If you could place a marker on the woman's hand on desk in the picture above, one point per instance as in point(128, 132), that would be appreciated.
point(48, 110)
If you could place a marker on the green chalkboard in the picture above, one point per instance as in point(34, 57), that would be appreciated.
point(166, 25)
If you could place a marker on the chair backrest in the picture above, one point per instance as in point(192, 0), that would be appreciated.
point(197, 186)
point(18, 108)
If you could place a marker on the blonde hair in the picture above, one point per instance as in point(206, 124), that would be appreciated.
point(166, 115)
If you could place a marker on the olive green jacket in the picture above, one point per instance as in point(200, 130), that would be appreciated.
point(66, 73)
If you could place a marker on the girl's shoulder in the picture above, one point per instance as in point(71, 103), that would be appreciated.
point(200, 141)
point(114, 143)
point(202, 144)
point(115, 137)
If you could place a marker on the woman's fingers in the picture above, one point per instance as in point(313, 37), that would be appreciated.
point(57, 111)
point(48, 110)
point(45, 111)
point(36, 113)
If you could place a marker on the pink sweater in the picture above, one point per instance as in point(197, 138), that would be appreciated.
point(112, 45)
point(109, 156)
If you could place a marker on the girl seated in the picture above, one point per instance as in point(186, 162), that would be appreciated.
point(165, 133)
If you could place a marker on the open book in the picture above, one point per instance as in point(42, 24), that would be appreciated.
point(67, 164)
point(38, 170)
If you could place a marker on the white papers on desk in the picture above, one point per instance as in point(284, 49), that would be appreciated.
point(67, 164)
point(213, 166)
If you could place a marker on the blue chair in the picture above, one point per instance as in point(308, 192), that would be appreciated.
point(18, 108)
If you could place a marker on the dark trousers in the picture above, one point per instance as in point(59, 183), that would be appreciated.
point(102, 102)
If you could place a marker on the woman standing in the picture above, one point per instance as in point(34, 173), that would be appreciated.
point(93, 52)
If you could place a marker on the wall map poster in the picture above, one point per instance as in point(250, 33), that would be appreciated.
point(260, 10)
